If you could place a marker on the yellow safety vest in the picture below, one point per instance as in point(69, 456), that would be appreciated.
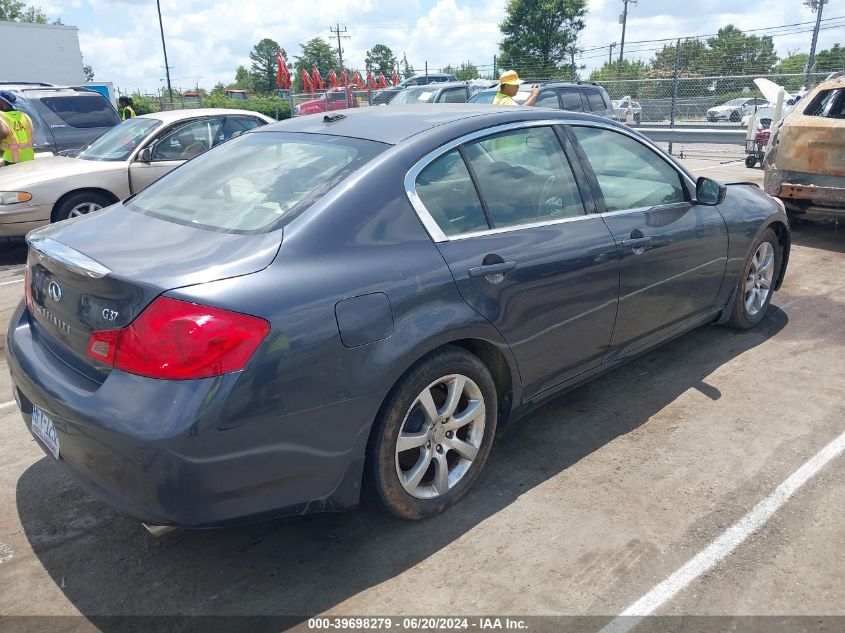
point(502, 99)
point(127, 113)
point(17, 146)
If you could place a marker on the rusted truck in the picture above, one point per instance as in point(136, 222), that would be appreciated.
point(806, 166)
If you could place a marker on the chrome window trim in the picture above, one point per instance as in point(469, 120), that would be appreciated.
point(436, 233)
point(49, 248)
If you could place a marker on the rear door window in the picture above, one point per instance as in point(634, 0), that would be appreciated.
point(187, 141)
point(595, 101)
point(548, 99)
point(453, 95)
point(236, 125)
point(82, 111)
point(828, 103)
point(571, 100)
point(445, 188)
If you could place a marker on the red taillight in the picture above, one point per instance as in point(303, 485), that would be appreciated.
point(177, 340)
point(27, 289)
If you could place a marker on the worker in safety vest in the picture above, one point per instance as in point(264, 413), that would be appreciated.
point(126, 111)
point(509, 84)
point(16, 132)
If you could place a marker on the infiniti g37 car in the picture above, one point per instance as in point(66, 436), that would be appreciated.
point(363, 300)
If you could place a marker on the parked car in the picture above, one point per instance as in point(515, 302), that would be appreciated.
point(571, 96)
point(735, 109)
point(811, 183)
point(385, 96)
point(63, 118)
point(620, 109)
point(366, 299)
point(120, 163)
point(332, 99)
point(445, 92)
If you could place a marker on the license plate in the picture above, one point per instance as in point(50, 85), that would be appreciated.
point(43, 428)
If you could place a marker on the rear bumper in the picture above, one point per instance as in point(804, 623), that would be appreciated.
point(152, 449)
point(816, 194)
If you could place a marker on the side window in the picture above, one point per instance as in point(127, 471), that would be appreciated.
point(828, 103)
point(571, 100)
point(446, 190)
point(187, 141)
point(595, 100)
point(453, 95)
point(237, 125)
point(630, 174)
point(525, 177)
point(548, 99)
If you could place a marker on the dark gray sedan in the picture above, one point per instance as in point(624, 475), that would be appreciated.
point(363, 299)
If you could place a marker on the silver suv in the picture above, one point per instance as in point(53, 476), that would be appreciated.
point(574, 96)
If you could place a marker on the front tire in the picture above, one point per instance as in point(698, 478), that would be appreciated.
point(433, 435)
point(750, 161)
point(754, 290)
point(79, 204)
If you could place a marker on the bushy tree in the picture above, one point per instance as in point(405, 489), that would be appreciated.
point(264, 68)
point(88, 71)
point(732, 52)
point(380, 59)
point(538, 35)
point(830, 60)
point(794, 63)
point(315, 52)
point(625, 69)
point(691, 60)
point(243, 79)
point(407, 69)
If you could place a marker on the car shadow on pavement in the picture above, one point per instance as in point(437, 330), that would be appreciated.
point(12, 252)
point(110, 569)
point(822, 234)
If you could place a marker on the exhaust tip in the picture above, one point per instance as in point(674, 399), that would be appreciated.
point(158, 530)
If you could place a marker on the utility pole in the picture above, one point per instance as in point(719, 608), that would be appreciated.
point(339, 33)
point(610, 53)
point(624, 19)
point(164, 48)
point(815, 5)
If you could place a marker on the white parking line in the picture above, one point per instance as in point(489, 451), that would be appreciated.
point(726, 543)
point(4, 405)
point(719, 166)
point(9, 283)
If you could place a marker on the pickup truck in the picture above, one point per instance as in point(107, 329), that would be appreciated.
point(332, 99)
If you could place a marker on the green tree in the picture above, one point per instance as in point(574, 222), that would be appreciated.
point(88, 71)
point(464, 72)
point(830, 60)
point(795, 63)
point(380, 59)
point(691, 57)
point(732, 52)
point(626, 69)
point(265, 66)
point(15, 11)
point(538, 35)
point(243, 79)
point(407, 69)
point(219, 89)
point(315, 52)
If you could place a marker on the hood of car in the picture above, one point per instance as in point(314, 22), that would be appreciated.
point(23, 175)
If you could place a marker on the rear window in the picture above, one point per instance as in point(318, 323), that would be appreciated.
point(256, 182)
point(828, 103)
point(595, 100)
point(571, 100)
point(415, 95)
point(82, 111)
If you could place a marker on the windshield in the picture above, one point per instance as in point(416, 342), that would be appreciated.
point(258, 182)
point(120, 141)
point(416, 95)
point(735, 102)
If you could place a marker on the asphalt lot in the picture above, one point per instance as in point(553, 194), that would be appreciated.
point(584, 508)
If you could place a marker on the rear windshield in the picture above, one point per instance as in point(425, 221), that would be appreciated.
point(256, 182)
point(82, 111)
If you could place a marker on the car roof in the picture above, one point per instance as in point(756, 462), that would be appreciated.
point(438, 85)
point(35, 90)
point(169, 116)
point(398, 123)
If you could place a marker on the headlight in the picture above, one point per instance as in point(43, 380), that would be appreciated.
point(14, 197)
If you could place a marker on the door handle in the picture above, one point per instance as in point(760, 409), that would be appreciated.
point(637, 242)
point(492, 269)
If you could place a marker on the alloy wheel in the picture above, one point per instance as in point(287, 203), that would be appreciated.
point(440, 436)
point(83, 209)
point(760, 277)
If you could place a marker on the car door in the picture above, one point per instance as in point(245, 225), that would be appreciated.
point(453, 95)
point(672, 252)
point(174, 146)
point(525, 254)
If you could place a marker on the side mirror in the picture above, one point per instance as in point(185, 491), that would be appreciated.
point(709, 192)
point(146, 155)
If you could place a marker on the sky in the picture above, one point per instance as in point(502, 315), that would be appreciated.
point(208, 39)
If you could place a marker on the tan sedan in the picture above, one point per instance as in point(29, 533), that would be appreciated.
point(120, 163)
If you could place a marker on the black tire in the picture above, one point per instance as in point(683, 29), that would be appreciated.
point(735, 117)
point(638, 119)
point(63, 211)
point(741, 317)
point(383, 463)
point(750, 161)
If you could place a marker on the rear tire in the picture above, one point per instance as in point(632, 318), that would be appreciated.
point(756, 284)
point(750, 161)
point(445, 411)
point(79, 204)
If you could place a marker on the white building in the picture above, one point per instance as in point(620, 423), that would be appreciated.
point(47, 53)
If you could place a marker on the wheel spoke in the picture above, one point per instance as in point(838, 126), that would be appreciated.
point(767, 265)
point(749, 300)
point(407, 441)
point(464, 449)
point(415, 475)
point(758, 300)
point(441, 474)
point(765, 283)
point(428, 406)
point(475, 409)
point(456, 388)
point(749, 284)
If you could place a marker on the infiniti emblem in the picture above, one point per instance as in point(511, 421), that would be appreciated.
point(55, 291)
